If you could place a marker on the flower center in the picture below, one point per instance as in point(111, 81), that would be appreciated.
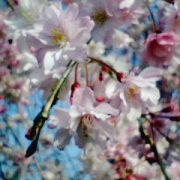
point(86, 125)
point(132, 91)
point(100, 17)
point(58, 38)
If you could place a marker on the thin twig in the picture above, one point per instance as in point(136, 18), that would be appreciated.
point(87, 74)
point(156, 27)
point(109, 67)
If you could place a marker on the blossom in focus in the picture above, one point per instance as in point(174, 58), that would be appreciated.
point(85, 120)
point(140, 92)
point(160, 48)
point(137, 93)
point(60, 32)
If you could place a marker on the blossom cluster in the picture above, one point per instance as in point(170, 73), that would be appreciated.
point(115, 66)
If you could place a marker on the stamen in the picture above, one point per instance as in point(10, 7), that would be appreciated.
point(86, 123)
point(100, 17)
point(58, 38)
point(132, 91)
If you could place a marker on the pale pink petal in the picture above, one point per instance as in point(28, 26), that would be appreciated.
point(60, 118)
point(84, 97)
point(150, 95)
point(62, 138)
point(75, 111)
point(72, 11)
point(74, 125)
point(108, 129)
point(103, 110)
point(50, 55)
point(134, 112)
point(151, 73)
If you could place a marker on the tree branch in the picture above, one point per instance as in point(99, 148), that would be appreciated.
point(34, 132)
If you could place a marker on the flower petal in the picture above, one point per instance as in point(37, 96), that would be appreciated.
point(60, 117)
point(62, 138)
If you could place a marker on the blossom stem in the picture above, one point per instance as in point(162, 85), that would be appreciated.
point(55, 95)
point(109, 67)
point(44, 114)
point(76, 73)
point(156, 27)
point(87, 74)
point(153, 136)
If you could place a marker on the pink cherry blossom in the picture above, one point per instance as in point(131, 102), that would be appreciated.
point(160, 48)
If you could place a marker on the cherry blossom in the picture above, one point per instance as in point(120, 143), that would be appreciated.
point(109, 73)
point(161, 48)
point(60, 32)
point(84, 120)
point(103, 13)
point(136, 93)
point(25, 12)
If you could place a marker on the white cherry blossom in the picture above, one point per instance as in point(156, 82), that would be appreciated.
point(87, 122)
point(136, 93)
point(60, 32)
